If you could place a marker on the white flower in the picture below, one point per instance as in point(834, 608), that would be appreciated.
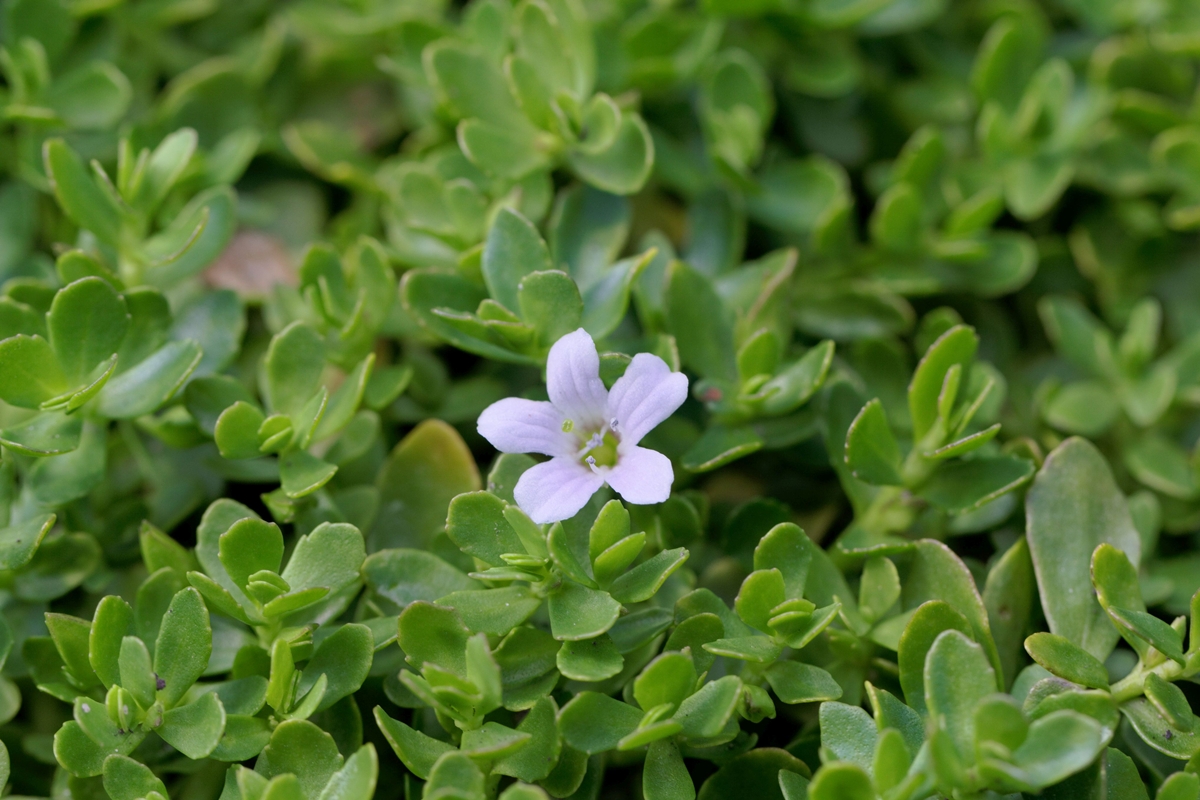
point(590, 433)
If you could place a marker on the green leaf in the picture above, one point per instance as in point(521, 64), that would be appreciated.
point(1179, 786)
point(426, 470)
point(433, 634)
point(1150, 628)
point(144, 388)
point(50, 433)
point(1058, 745)
point(356, 779)
point(700, 323)
point(302, 473)
point(936, 573)
point(704, 714)
point(535, 760)
point(513, 250)
point(594, 723)
point(194, 239)
point(94, 96)
point(643, 581)
point(796, 384)
point(841, 781)
point(493, 611)
point(665, 776)
point(1086, 407)
point(1058, 655)
point(1032, 185)
point(896, 221)
point(236, 431)
point(196, 728)
point(1154, 729)
point(796, 682)
point(330, 556)
point(758, 773)
point(19, 542)
point(1122, 777)
point(967, 485)
point(403, 576)
point(879, 587)
point(112, 621)
point(344, 659)
point(758, 649)
point(71, 637)
point(17, 318)
point(788, 549)
point(507, 152)
point(291, 369)
point(720, 445)
point(456, 773)
point(1169, 700)
point(81, 198)
point(86, 323)
point(303, 749)
point(871, 450)
point(29, 372)
point(136, 672)
point(849, 733)
point(81, 756)
point(435, 296)
point(345, 400)
point(1009, 594)
point(1162, 465)
point(955, 346)
point(250, 546)
point(957, 678)
point(477, 525)
point(930, 620)
point(761, 591)
point(578, 613)
point(550, 302)
point(127, 779)
point(418, 751)
point(606, 301)
point(493, 740)
point(183, 646)
point(1073, 506)
point(624, 166)
point(590, 660)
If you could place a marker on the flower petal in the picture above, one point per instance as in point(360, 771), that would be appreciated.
point(573, 380)
point(644, 396)
point(643, 477)
point(514, 425)
point(556, 489)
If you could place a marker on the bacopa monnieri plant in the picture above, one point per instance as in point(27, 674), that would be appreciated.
point(599, 399)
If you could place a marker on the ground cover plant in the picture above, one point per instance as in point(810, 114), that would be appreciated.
point(599, 399)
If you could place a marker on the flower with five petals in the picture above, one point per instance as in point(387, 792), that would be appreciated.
point(590, 433)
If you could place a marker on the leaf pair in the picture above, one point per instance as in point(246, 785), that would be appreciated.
point(941, 414)
point(146, 692)
point(301, 409)
point(120, 212)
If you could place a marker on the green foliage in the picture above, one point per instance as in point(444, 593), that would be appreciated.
point(929, 269)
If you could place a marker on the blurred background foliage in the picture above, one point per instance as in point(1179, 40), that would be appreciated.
point(223, 215)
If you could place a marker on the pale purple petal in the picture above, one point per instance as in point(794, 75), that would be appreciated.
point(556, 489)
point(514, 425)
point(643, 477)
point(573, 380)
point(644, 396)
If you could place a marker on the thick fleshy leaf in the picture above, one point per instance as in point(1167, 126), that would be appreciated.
point(1073, 506)
point(148, 385)
point(86, 322)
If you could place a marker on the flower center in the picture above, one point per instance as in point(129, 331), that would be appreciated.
point(601, 450)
